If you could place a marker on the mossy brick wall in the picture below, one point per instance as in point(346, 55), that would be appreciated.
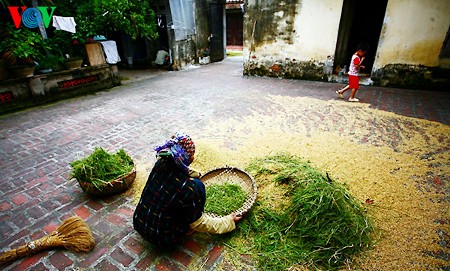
point(412, 77)
point(289, 69)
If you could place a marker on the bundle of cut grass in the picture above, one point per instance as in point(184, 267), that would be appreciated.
point(315, 221)
point(223, 199)
point(102, 169)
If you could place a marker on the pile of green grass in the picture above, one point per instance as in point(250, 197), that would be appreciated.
point(321, 226)
point(223, 199)
point(101, 167)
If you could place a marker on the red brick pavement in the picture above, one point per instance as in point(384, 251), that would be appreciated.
point(37, 145)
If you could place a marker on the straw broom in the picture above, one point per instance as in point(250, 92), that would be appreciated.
point(73, 234)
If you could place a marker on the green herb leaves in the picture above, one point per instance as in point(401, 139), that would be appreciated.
point(223, 199)
point(101, 167)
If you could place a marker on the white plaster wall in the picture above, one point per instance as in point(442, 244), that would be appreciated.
point(316, 29)
point(413, 32)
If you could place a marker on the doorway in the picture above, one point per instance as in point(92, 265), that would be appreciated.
point(162, 41)
point(235, 25)
point(163, 37)
point(358, 25)
point(216, 42)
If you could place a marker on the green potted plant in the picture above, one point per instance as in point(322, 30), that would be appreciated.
point(66, 45)
point(103, 173)
point(19, 49)
point(50, 63)
point(73, 62)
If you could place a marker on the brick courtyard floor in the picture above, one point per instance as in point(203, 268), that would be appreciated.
point(37, 145)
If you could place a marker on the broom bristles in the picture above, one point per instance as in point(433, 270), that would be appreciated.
point(73, 234)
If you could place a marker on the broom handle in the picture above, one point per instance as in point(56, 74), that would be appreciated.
point(29, 248)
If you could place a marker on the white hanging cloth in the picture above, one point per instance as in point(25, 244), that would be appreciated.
point(64, 23)
point(110, 50)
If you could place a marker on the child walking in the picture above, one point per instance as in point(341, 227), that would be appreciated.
point(353, 73)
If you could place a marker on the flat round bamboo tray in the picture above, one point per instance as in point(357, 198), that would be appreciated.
point(116, 186)
point(235, 176)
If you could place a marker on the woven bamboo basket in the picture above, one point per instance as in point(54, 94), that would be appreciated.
point(235, 176)
point(116, 186)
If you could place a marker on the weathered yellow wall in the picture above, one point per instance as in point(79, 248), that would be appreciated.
point(301, 30)
point(413, 32)
point(318, 25)
point(306, 30)
point(292, 39)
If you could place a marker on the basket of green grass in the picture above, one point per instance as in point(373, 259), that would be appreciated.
point(229, 190)
point(103, 173)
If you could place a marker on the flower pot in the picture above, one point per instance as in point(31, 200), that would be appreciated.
point(3, 73)
point(73, 63)
point(22, 71)
point(114, 187)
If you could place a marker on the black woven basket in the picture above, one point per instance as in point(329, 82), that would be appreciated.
point(235, 176)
